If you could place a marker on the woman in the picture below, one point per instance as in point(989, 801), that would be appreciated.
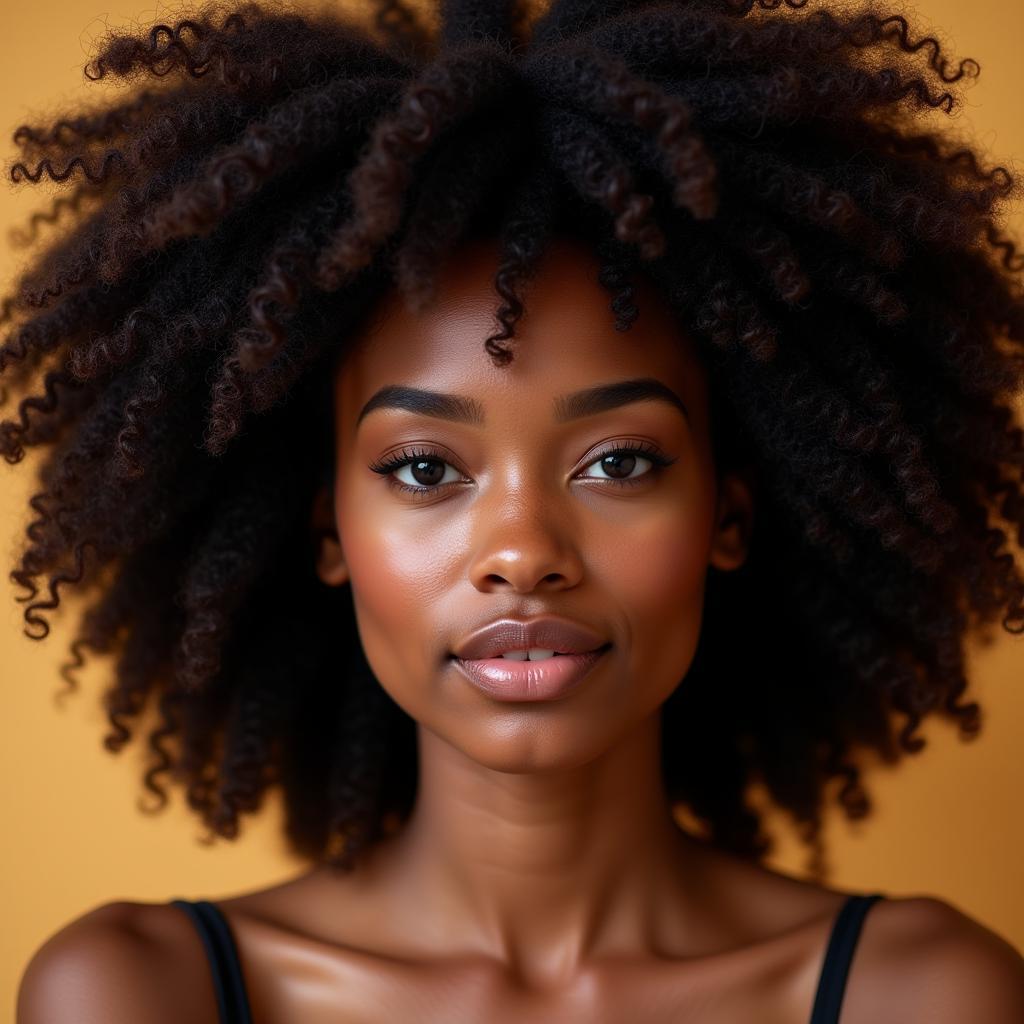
point(653, 343)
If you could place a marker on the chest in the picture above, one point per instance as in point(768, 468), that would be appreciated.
point(355, 989)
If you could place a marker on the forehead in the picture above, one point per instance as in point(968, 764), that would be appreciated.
point(564, 340)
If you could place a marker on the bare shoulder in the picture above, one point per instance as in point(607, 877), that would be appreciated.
point(921, 959)
point(119, 961)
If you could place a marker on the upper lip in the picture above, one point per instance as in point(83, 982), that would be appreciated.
point(550, 633)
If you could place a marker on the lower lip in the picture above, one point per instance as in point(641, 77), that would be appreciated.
point(549, 679)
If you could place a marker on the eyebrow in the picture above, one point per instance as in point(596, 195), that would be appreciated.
point(587, 402)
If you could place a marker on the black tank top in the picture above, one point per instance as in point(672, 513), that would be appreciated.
point(233, 1003)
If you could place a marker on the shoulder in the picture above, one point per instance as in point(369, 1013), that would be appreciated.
point(119, 961)
point(923, 960)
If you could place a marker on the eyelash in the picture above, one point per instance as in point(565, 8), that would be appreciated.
point(409, 456)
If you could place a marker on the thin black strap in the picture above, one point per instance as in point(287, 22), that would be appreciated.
point(841, 944)
point(228, 981)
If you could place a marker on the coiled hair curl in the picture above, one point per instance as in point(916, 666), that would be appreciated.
point(231, 220)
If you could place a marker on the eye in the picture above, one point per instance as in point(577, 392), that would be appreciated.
point(428, 472)
point(622, 460)
point(427, 468)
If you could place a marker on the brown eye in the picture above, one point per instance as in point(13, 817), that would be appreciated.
point(426, 468)
point(427, 471)
point(618, 465)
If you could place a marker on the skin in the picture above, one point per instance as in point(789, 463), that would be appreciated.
point(541, 875)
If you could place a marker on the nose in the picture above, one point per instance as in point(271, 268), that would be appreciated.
point(524, 545)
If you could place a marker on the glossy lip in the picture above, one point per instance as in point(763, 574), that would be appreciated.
point(549, 633)
point(545, 680)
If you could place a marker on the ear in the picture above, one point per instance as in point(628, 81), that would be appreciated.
point(330, 561)
point(734, 520)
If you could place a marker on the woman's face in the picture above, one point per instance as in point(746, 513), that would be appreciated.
point(516, 510)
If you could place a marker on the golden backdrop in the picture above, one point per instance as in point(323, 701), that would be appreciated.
point(946, 822)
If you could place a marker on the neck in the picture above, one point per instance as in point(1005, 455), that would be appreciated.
point(543, 870)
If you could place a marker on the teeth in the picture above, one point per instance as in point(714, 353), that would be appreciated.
point(534, 654)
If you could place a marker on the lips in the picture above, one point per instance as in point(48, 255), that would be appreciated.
point(516, 681)
point(550, 633)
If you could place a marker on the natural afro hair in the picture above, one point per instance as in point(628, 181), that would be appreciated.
point(233, 218)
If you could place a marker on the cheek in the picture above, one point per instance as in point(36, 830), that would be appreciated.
point(658, 583)
point(397, 573)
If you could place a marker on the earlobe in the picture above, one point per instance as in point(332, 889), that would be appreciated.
point(329, 558)
point(730, 544)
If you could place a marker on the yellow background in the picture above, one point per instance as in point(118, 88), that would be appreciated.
point(947, 822)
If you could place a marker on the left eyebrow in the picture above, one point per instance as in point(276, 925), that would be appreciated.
point(587, 402)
